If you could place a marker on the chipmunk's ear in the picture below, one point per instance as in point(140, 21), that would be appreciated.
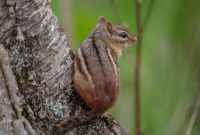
point(102, 20)
point(109, 27)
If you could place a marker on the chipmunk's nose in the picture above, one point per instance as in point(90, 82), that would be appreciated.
point(133, 39)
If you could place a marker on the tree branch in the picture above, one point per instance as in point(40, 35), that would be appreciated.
point(42, 64)
point(140, 30)
point(12, 89)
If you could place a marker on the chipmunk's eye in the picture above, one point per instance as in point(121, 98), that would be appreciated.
point(123, 34)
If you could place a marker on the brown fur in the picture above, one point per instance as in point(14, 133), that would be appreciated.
point(96, 77)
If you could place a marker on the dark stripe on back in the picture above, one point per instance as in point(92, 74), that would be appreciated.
point(107, 74)
point(97, 52)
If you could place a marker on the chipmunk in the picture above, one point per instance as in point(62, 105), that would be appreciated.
point(96, 72)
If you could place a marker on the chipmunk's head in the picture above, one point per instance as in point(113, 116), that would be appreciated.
point(117, 37)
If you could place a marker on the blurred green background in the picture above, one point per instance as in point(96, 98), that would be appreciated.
point(170, 72)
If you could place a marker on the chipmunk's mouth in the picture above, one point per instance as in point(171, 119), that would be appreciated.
point(127, 45)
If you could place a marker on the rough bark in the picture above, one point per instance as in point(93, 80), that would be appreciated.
point(36, 68)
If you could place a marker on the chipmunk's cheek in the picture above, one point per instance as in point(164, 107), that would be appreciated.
point(127, 45)
point(119, 45)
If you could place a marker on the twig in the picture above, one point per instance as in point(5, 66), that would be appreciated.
point(140, 29)
point(194, 116)
point(137, 67)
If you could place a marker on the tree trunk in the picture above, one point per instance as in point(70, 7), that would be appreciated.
point(36, 68)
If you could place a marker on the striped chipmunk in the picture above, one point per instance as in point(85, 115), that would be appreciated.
point(96, 76)
point(96, 72)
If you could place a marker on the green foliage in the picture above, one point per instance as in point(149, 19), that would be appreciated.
point(170, 61)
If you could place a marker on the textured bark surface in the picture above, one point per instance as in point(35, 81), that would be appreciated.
point(36, 68)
